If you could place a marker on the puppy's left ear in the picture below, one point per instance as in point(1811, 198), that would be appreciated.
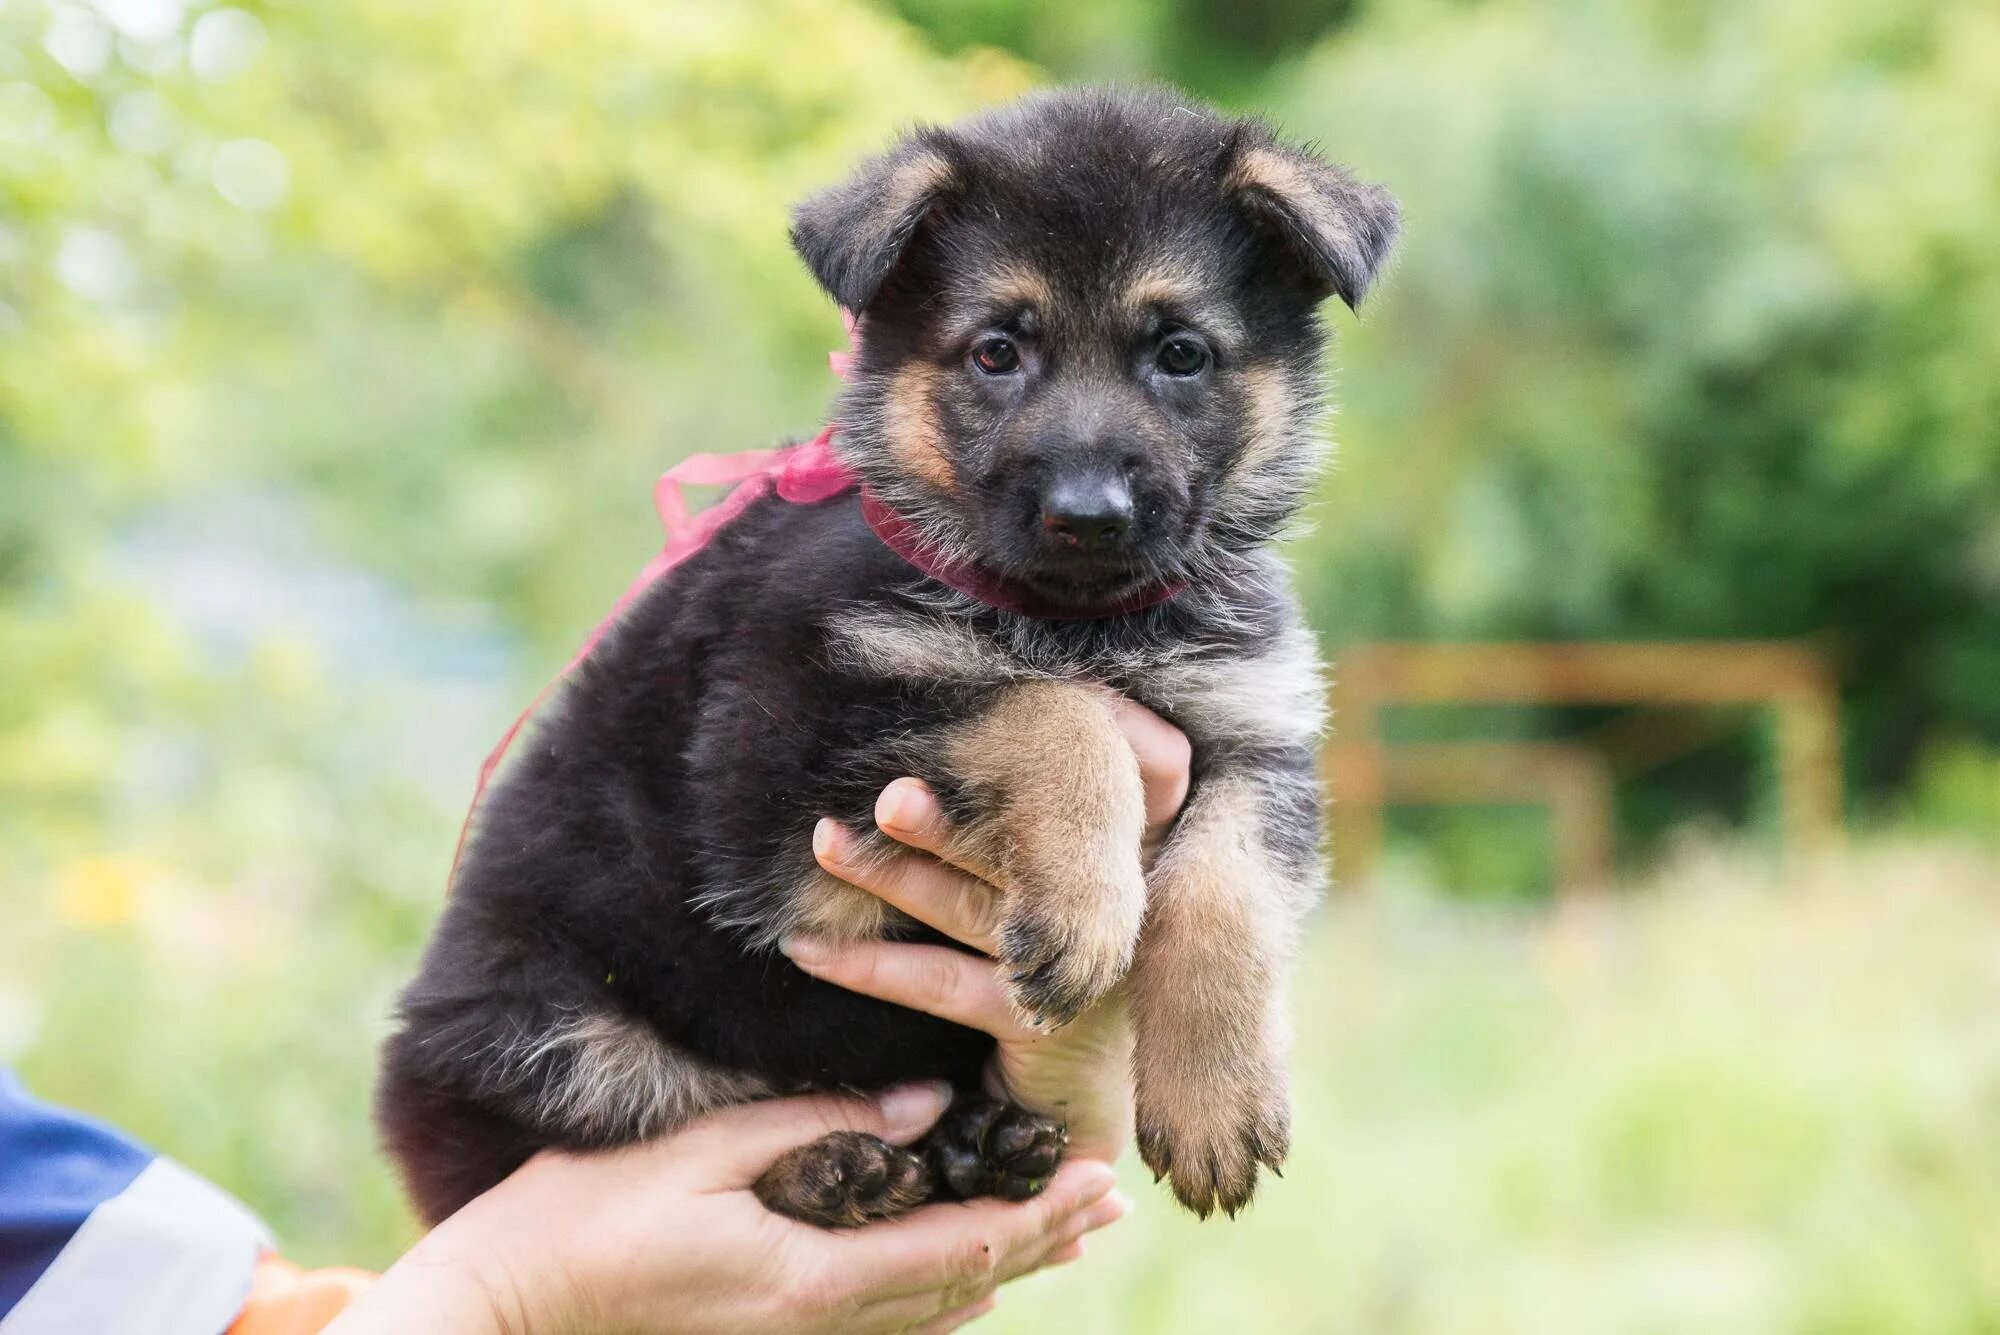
point(1339, 227)
point(851, 235)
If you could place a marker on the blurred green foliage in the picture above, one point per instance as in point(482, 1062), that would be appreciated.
point(1690, 338)
point(340, 342)
point(1725, 1104)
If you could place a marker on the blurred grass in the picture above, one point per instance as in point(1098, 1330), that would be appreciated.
point(1732, 1101)
point(1726, 1100)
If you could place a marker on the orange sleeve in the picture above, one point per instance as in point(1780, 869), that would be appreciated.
point(285, 1300)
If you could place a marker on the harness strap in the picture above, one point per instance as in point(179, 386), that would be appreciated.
point(801, 474)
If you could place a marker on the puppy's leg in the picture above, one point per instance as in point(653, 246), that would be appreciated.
point(447, 1147)
point(471, 1087)
point(1210, 1041)
point(1044, 788)
point(605, 1078)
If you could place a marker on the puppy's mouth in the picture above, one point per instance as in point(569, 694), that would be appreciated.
point(1086, 579)
point(1085, 562)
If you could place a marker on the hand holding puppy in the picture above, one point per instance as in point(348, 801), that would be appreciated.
point(670, 1227)
point(666, 1236)
point(1080, 1072)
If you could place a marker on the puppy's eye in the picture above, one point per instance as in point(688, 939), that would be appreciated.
point(1182, 355)
point(997, 356)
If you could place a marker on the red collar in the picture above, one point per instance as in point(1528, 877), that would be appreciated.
point(991, 587)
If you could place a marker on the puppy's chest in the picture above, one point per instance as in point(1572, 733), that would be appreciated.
point(1262, 692)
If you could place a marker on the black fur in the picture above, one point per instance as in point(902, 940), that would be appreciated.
point(638, 858)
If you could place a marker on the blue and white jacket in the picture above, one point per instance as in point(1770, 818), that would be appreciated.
point(98, 1234)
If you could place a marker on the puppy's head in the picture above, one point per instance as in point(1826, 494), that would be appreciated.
point(1090, 348)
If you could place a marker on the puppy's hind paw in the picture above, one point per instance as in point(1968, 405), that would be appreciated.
point(982, 1147)
point(1210, 1151)
point(843, 1180)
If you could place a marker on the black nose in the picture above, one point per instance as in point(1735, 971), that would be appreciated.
point(1091, 513)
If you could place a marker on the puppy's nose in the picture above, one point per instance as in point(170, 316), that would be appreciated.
point(1090, 512)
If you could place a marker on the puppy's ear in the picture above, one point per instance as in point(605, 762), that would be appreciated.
point(1339, 227)
point(851, 235)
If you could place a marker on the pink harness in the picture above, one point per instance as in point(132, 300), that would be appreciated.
point(801, 474)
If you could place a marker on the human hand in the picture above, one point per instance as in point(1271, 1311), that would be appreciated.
point(1081, 1072)
point(667, 1237)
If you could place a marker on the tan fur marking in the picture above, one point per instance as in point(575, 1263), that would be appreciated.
point(925, 648)
point(1068, 814)
point(1011, 283)
point(909, 182)
point(624, 1081)
point(921, 174)
point(1159, 287)
point(914, 435)
point(1170, 284)
point(1285, 178)
point(1006, 287)
point(1282, 442)
point(1269, 417)
point(828, 906)
point(1207, 1003)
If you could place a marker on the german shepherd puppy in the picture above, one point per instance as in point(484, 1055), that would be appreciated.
point(1086, 400)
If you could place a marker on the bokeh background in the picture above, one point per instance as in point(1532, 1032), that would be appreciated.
point(340, 341)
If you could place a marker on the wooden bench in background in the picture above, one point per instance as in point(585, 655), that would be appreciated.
point(1678, 687)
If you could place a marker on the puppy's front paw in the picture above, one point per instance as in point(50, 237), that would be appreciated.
point(1208, 1134)
point(1066, 943)
point(844, 1179)
point(1059, 812)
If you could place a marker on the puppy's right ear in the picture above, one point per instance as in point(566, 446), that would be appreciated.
point(851, 235)
point(1341, 227)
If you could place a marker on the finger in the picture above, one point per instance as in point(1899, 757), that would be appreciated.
point(729, 1149)
point(919, 1311)
point(960, 1250)
point(1066, 1244)
point(909, 812)
point(952, 900)
point(936, 980)
point(1063, 1255)
point(1164, 758)
point(953, 1320)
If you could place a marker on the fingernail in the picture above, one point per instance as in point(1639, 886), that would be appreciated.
point(826, 837)
point(804, 951)
point(900, 806)
point(909, 1110)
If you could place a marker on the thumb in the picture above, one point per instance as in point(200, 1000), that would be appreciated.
point(730, 1149)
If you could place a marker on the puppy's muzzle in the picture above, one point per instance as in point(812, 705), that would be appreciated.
point(1087, 510)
